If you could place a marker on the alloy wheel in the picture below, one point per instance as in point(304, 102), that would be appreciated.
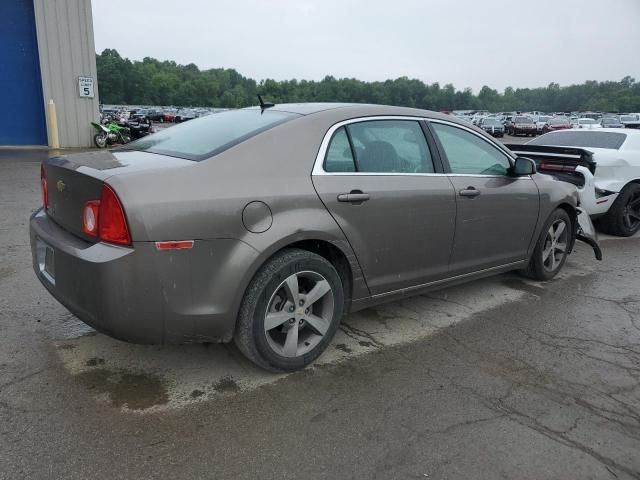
point(555, 245)
point(631, 212)
point(299, 314)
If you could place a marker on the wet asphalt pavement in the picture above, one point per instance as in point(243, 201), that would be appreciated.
point(501, 378)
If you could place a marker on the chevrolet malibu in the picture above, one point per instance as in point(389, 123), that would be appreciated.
point(267, 225)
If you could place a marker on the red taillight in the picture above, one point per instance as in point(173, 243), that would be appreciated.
point(45, 189)
point(556, 167)
point(90, 216)
point(112, 223)
point(105, 218)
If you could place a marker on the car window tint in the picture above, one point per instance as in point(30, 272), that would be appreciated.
point(469, 154)
point(339, 157)
point(390, 146)
point(207, 136)
point(573, 138)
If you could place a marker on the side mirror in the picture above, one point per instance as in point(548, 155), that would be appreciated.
point(524, 166)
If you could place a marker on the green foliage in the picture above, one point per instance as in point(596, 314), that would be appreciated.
point(152, 82)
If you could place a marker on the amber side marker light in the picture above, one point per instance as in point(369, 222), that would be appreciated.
point(175, 245)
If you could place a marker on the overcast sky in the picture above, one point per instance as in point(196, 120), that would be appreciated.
point(469, 43)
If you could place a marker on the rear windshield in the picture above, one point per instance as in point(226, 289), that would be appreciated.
point(209, 135)
point(523, 120)
point(572, 138)
point(491, 122)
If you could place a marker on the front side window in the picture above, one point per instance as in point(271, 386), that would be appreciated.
point(390, 146)
point(469, 154)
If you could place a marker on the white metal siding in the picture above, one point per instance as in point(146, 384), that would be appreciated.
point(65, 41)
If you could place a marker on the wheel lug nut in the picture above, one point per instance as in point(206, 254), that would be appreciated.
point(306, 310)
point(292, 308)
point(300, 322)
point(301, 302)
point(292, 320)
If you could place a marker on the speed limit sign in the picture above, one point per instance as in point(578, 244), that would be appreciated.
point(85, 86)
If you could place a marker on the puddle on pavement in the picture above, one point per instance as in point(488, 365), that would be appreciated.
point(132, 391)
point(145, 379)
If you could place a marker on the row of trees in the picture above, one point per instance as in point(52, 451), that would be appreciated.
point(152, 82)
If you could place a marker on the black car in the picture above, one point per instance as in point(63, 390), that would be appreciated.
point(492, 126)
point(155, 115)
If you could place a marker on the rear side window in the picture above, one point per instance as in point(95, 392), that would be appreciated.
point(390, 146)
point(339, 157)
point(608, 140)
point(209, 135)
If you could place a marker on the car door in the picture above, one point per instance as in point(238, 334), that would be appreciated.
point(381, 183)
point(497, 213)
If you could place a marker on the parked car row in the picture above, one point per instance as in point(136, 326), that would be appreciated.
point(121, 113)
point(536, 122)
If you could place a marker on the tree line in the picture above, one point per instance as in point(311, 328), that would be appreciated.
point(154, 82)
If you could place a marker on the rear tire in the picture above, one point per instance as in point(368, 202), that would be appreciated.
point(550, 252)
point(623, 218)
point(281, 329)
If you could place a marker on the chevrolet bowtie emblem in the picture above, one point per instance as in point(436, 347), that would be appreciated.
point(61, 185)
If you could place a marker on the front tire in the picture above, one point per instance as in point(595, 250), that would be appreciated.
point(623, 218)
point(551, 249)
point(290, 311)
point(100, 140)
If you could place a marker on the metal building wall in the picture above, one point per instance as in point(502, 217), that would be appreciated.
point(66, 48)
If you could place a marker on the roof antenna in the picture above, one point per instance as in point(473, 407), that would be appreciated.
point(264, 105)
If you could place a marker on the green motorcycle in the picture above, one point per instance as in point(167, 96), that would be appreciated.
point(110, 134)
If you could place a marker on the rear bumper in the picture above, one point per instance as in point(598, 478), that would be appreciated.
point(594, 204)
point(140, 294)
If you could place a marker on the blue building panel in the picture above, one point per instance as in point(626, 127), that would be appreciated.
point(22, 120)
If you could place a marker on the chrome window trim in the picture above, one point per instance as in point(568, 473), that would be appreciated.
point(318, 166)
point(501, 148)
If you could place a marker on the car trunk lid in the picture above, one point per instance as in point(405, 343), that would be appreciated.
point(73, 180)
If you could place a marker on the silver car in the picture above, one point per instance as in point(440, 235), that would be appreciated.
point(267, 225)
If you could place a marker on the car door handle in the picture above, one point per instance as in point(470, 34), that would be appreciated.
point(354, 196)
point(469, 192)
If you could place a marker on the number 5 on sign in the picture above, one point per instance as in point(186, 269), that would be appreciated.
point(85, 86)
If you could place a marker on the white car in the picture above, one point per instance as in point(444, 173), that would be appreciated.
point(541, 121)
point(611, 193)
point(588, 123)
